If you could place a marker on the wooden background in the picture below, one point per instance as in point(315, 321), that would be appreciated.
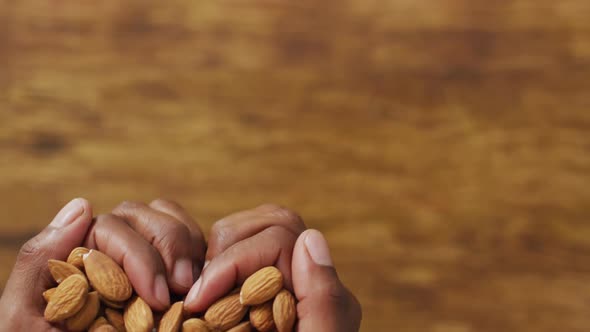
point(442, 146)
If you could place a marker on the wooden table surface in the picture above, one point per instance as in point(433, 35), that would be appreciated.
point(442, 146)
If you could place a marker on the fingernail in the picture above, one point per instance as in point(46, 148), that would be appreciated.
point(193, 294)
point(68, 213)
point(183, 273)
point(318, 248)
point(161, 290)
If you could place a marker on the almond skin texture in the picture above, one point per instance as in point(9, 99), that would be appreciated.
point(172, 319)
point(75, 257)
point(138, 316)
point(115, 318)
point(100, 321)
point(48, 293)
point(226, 312)
point(261, 286)
point(242, 327)
point(284, 311)
point(107, 277)
point(84, 318)
point(196, 325)
point(68, 299)
point(112, 304)
point(61, 270)
point(106, 328)
point(261, 317)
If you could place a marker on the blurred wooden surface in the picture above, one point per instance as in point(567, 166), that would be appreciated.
point(443, 146)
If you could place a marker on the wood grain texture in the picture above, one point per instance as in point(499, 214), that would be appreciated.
point(442, 146)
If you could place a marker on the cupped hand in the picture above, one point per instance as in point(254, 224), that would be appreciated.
point(158, 245)
point(22, 304)
point(244, 242)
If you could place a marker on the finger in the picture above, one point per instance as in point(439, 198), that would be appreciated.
point(30, 276)
point(242, 225)
point(169, 236)
point(324, 303)
point(273, 246)
point(140, 260)
point(197, 238)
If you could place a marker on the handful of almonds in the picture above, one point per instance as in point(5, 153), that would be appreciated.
point(94, 294)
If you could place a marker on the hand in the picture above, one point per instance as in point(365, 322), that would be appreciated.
point(22, 304)
point(158, 245)
point(167, 246)
point(246, 241)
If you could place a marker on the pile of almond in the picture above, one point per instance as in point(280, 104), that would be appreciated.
point(94, 294)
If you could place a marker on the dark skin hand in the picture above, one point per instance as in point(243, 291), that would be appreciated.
point(246, 241)
point(168, 251)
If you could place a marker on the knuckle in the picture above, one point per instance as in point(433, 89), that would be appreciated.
point(283, 213)
point(220, 231)
point(173, 236)
point(164, 202)
point(268, 207)
point(280, 232)
point(31, 249)
point(128, 205)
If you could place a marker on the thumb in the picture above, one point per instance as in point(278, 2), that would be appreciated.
point(30, 276)
point(324, 303)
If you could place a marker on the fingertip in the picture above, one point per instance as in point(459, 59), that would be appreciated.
point(191, 303)
point(70, 212)
point(161, 291)
point(317, 247)
point(182, 274)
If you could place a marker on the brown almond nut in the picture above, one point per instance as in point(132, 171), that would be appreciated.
point(106, 276)
point(242, 327)
point(106, 328)
point(138, 316)
point(112, 304)
point(284, 311)
point(84, 318)
point(172, 319)
point(115, 318)
point(48, 293)
point(100, 321)
point(262, 286)
point(261, 317)
point(226, 312)
point(61, 270)
point(196, 325)
point(68, 299)
point(75, 257)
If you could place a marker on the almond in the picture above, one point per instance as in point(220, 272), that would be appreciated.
point(261, 286)
point(68, 298)
point(106, 276)
point(196, 325)
point(100, 321)
point(75, 257)
point(284, 311)
point(172, 319)
point(138, 316)
point(113, 304)
point(61, 270)
point(115, 318)
point(226, 312)
point(84, 318)
point(261, 317)
point(242, 327)
point(106, 328)
point(48, 293)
